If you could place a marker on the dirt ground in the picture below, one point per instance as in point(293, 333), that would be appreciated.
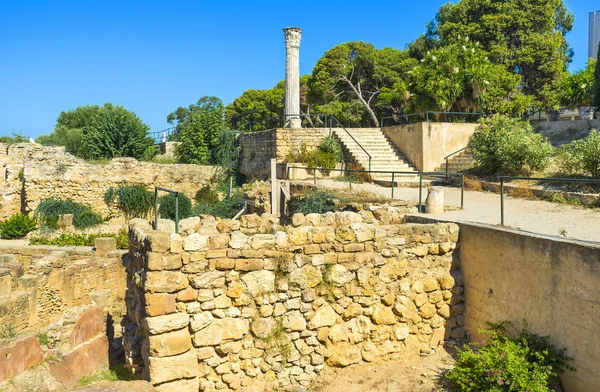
point(410, 372)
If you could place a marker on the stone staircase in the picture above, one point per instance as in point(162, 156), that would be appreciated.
point(458, 163)
point(384, 156)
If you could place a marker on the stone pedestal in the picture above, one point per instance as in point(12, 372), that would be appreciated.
point(292, 77)
point(435, 200)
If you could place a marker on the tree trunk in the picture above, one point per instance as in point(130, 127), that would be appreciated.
point(363, 102)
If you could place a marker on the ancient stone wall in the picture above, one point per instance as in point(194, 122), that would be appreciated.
point(230, 304)
point(31, 173)
point(38, 284)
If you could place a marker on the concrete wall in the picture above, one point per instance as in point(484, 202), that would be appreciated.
point(552, 283)
point(31, 173)
point(426, 144)
point(256, 304)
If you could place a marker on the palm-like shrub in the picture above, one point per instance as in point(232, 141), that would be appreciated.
point(135, 201)
point(17, 226)
point(83, 217)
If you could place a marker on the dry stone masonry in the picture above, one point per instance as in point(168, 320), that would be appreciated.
point(226, 305)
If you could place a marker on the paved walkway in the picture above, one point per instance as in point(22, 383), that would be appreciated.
point(483, 207)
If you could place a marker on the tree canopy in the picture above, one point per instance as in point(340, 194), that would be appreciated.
point(596, 88)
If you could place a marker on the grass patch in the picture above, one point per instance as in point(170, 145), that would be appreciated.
point(8, 331)
point(82, 239)
point(115, 374)
point(164, 159)
point(42, 337)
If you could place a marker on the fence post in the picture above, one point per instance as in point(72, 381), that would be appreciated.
point(177, 212)
point(446, 168)
point(420, 189)
point(462, 191)
point(502, 201)
point(315, 176)
point(392, 185)
point(155, 208)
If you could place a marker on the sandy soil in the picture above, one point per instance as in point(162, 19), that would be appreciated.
point(410, 372)
point(535, 216)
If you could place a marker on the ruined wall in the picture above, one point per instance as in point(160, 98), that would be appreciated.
point(426, 144)
point(552, 283)
point(230, 304)
point(38, 284)
point(50, 171)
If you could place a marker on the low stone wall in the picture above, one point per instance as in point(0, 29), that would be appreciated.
point(552, 283)
point(38, 284)
point(31, 173)
point(230, 304)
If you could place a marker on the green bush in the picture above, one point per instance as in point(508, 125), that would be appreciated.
point(83, 217)
point(135, 201)
point(82, 239)
point(318, 202)
point(510, 361)
point(331, 145)
point(226, 152)
point(17, 226)
point(167, 206)
point(503, 145)
point(225, 209)
point(109, 196)
point(206, 195)
point(581, 156)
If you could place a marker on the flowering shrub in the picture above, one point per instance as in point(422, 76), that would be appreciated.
point(521, 361)
point(581, 156)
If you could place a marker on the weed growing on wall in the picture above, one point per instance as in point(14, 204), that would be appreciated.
point(510, 360)
point(17, 226)
point(135, 201)
point(81, 239)
point(83, 217)
point(318, 202)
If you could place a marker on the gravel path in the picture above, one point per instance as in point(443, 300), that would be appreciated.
point(535, 216)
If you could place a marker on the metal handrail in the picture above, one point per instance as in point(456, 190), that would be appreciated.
point(426, 114)
point(454, 153)
point(549, 179)
point(393, 173)
point(156, 189)
point(332, 117)
point(157, 136)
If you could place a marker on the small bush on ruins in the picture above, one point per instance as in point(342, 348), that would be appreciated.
point(318, 202)
point(226, 152)
point(206, 195)
point(510, 360)
point(503, 145)
point(82, 239)
point(225, 209)
point(17, 226)
point(135, 201)
point(581, 157)
point(167, 206)
point(83, 217)
point(326, 156)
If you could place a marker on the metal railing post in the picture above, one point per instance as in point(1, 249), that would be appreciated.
point(315, 177)
point(155, 209)
point(392, 185)
point(177, 213)
point(502, 201)
point(230, 187)
point(462, 191)
point(420, 190)
point(446, 168)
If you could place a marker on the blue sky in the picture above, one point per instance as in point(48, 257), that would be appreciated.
point(153, 56)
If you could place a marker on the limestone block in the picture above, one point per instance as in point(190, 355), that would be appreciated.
point(64, 221)
point(297, 236)
point(383, 315)
point(88, 325)
point(249, 264)
point(164, 261)
point(166, 225)
point(221, 330)
point(166, 323)
point(218, 241)
point(446, 281)
point(187, 295)
point(238, 240)
point(173, 368)
point(259, 283)
point(339, 275)
point(159, 304)
point(363, 232)
point(200, 321)
point(295, 321)
point(393, 270)
point(430, 283)
point(434, 204)
point(170, 343)
point(104, 245)
point(427, 311)
point(88, 358)
point(195, 242)
point(165, 281)
point(401, 331)
point(260, 241)
point(189, 225)
point(298, 219)
point(261, 327)
point(305, 277)
point(325, 316)
point(344, 354)
point(209, 280)
point(184, 384)
point(159, 241)
point(176, 243)
point(352, 311)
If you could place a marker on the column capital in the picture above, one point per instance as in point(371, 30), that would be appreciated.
point(292, 36)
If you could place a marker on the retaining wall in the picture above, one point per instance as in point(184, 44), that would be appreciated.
point(231, 304)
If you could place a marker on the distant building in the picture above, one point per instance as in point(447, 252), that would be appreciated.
point(594, 34)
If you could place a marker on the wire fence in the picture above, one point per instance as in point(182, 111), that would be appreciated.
point(166, 135)
point(430, 116)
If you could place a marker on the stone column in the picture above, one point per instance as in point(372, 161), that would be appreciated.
point(292, 77)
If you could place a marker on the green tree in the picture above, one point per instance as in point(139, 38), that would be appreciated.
point(596, 89)
point(577, 89)
point(349, 78)
point(526, 37)
point(117, 132)
point(198, 126)
point(257, 110)
point(15, 138)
